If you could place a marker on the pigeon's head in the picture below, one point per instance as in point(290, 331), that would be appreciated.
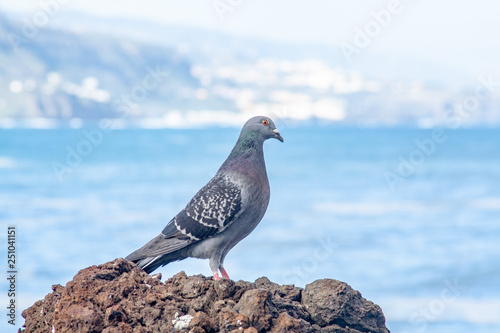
point(261, 127)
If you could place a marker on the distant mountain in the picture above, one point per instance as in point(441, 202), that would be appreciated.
point(203, 44)
point(81, 67)
point(64, 74)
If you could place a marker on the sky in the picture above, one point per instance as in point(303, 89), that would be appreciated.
point(458, 33)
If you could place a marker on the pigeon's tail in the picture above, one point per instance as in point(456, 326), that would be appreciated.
point(158, 252)
point(150, 264)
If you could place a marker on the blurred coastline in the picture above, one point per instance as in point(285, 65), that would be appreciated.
point(73, 73)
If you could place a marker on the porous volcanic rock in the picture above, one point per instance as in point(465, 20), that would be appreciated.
point(120, 297)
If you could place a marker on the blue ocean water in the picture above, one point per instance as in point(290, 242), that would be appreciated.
point(410, 222)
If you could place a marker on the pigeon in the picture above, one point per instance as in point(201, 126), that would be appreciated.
point(223, 212)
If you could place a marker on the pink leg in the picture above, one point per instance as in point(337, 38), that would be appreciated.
point(224, 273)
point(216, 276)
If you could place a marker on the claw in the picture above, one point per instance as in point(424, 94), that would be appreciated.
point(216, 276)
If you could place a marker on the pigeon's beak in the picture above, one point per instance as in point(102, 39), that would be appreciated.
point(277, 135)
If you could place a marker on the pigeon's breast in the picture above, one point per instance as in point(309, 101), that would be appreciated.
point(255, 192)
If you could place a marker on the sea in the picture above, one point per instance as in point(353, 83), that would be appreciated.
point(409, 217)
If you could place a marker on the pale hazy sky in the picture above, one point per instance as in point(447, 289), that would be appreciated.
point(461, 33)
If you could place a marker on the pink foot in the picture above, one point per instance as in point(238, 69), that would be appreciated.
point(224, 274)
point(216, 276)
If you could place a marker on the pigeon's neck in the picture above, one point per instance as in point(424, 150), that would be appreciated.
point(248, 152)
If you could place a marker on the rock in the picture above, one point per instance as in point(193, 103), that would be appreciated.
point(120, 297)
point(334, 302)
point(257, 306)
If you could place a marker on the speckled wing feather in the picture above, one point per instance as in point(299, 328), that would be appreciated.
point(211, 210)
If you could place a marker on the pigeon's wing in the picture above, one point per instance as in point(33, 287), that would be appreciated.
point(211, 210)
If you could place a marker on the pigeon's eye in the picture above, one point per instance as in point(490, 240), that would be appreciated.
point(264, 122)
